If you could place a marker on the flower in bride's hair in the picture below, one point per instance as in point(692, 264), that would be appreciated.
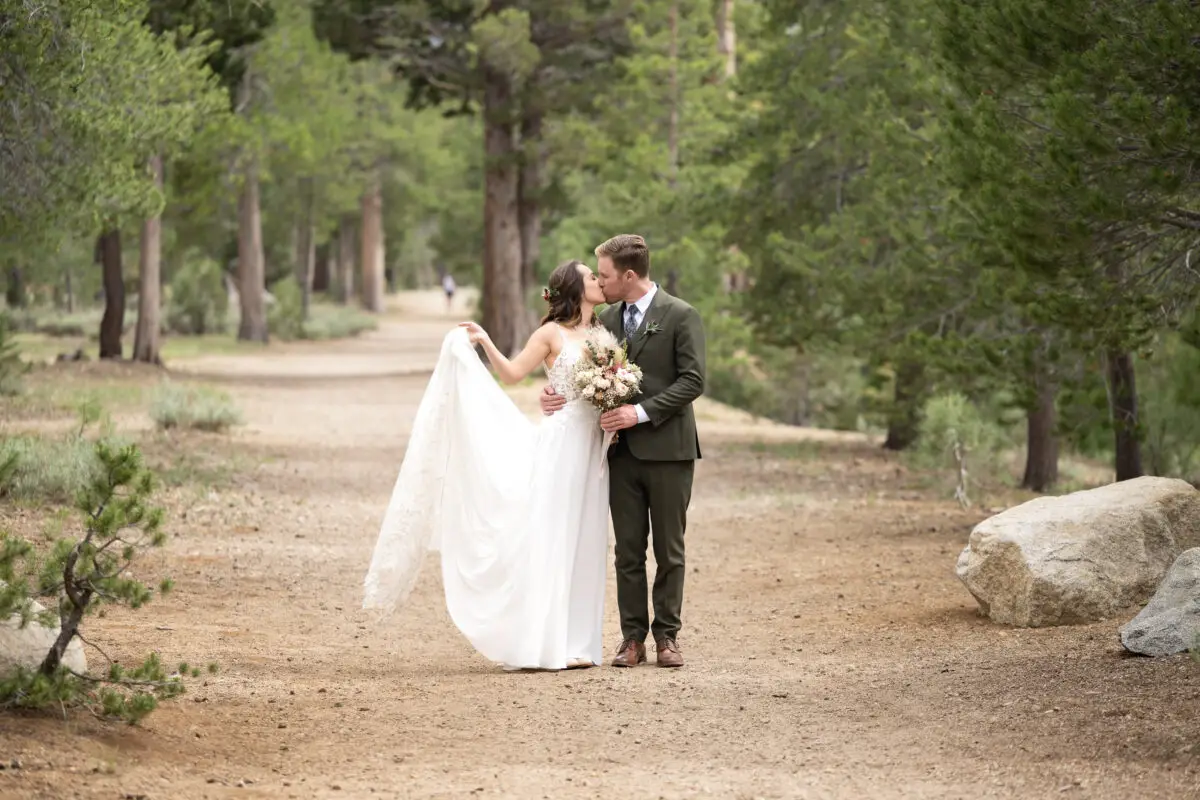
point(549, 294)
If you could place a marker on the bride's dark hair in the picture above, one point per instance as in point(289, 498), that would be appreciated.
point(564, 292)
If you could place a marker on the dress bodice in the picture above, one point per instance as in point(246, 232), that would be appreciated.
point(560, 374)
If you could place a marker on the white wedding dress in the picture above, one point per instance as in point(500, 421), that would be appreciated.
point(519, 511)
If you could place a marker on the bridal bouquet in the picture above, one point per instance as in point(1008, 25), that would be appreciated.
point(604, 375)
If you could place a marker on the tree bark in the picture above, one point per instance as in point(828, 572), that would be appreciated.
point(251, 270)
point(529, 202)
point(672, 285)
point(324, 268)
point(146, 339)
point(371, 253)
point(68, 628)
point(14, 292)
point(904, 419)
point(1122, 401)
point(673, 99)
point(306, 242)
point(112, 324)
point(1041, 456)
point(726, 36)
point(503, 300)
point(69, 290)
point(345, 266)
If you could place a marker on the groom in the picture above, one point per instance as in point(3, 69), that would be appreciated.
point(652, 462)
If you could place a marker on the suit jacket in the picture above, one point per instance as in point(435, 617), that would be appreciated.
point(669, 348)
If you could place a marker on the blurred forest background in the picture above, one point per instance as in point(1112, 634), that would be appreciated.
point(966, 227)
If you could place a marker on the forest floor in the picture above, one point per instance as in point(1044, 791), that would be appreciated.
point(831, 651)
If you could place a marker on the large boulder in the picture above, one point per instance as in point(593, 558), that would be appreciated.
point(27, 647)
point(1081, 557)
point(1170, 623)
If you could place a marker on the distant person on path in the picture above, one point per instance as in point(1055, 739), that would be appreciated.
point(448, 286)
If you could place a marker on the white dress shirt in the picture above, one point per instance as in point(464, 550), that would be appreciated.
point(639, 316)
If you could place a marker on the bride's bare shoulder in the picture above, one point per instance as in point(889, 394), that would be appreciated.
point(548, 334)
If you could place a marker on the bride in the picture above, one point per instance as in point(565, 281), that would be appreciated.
point(519, 510)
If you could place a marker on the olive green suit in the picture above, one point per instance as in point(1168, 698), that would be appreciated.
point(651, 465)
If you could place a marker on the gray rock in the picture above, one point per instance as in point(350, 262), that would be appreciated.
point(27, 647)
point(1170, 622)
point(1082, 557)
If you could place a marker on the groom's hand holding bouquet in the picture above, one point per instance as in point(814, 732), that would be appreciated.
point(605, 377)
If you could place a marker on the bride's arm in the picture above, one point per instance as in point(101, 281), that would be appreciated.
point(513, 370)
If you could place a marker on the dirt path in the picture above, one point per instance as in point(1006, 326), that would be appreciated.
point(832, 653)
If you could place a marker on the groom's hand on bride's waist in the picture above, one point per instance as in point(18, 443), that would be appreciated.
point(551, 401)
point(619, 419)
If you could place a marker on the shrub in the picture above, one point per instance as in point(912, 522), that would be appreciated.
point(956, 436)
point(286, 316)
point(194, 408)
point(50, 470)
point(1170, 399)
point(198, 303)
point(337, 322)
point(11, 366)
point(285, 319)
point(79, 574)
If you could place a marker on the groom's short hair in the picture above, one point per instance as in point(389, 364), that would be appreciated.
point(627, 251)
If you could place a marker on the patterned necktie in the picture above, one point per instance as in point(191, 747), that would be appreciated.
point(630, 322)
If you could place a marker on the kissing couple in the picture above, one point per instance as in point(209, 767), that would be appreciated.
point(518, 509)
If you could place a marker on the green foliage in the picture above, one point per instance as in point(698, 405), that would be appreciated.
point(958, 440)
point(90, 93)
point(337, 322)
point(45, 470)
point(286, 315)
point(79, 574)
point(196, 298)
point(12, 368)
point(193, 408)
point(1171, 409)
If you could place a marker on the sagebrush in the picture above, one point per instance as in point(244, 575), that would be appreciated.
point(193, 408)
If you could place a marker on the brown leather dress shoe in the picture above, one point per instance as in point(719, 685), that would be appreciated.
point(630, 654)
point(668, 653)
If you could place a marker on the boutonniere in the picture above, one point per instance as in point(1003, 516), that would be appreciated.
point(652, 328)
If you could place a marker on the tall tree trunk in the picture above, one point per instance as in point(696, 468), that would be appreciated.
point(345, 255)
point(1122, 401)
point(324, 268)
point(113, 322)
point(69, 290)
point(306, 241)
point(905, 417)
point(14, 292)
point(146, 340)
point(673, 99)
point(372, 247)
point(251, 270)
point(726, 36)
point(503, 300)
point(529, 202)
point(1041, 457)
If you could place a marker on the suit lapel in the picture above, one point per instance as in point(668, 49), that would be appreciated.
point(653, 316)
